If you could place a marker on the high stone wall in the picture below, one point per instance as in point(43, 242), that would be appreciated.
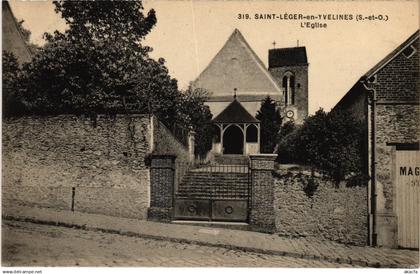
point(45, 157)
point(338, 214)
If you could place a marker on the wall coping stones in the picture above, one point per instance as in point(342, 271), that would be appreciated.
point(77, 116)
point(262, 161)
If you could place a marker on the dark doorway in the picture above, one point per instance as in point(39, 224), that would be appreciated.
point(233, 140)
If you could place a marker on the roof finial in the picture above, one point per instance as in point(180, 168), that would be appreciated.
point(274, 44)
point(298, 42)
point(234, 93)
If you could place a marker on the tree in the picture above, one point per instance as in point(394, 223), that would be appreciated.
point(10, 86)
point(98, 64)
point(270, 124)
point(285, 132)
point(344, 154)
point(331, 142)
point(199, 117)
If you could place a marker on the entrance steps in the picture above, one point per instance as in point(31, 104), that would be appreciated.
point(231, 159)
point(202, 183)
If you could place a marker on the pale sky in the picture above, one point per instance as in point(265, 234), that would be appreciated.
point(188, 35)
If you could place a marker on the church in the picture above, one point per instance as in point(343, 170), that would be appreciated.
point(237, 81)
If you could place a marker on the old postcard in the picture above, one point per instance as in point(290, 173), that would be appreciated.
point(280, 134)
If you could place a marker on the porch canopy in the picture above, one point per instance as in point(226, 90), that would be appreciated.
point(239, 131)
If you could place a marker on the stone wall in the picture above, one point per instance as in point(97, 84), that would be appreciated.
point(164, 143)
point(338, 214)
point(262, 217)
point(44, 158)
point(394, 124)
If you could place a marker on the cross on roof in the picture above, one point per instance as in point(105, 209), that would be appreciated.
point(274, 44)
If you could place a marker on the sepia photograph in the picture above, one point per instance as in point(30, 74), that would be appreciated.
point(212, 134)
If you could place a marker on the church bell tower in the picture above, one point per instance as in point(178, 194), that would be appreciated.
point(289, 66)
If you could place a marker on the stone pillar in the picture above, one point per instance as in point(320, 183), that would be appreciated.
point(191, 146)
point(162, 181)
point(262, 217)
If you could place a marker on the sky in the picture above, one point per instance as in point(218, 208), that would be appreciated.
point(188, 34)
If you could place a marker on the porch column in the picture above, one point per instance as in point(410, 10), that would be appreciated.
point(259, 136)
point(244, 133)
point(221, 137)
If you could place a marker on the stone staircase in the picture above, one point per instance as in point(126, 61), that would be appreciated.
point(220, 182)
point(232, 159)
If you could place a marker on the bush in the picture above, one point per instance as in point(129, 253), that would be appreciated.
point(270, 124)
point(12, 105)
point(331, 142)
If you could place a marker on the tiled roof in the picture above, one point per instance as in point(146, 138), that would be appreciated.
point(287, 57)
point(12, 38)
point(235, 113)
point(236, 66)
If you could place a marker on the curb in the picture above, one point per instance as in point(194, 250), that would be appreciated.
point(202, 243)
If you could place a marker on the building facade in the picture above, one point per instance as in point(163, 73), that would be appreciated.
point(237, 70)
point(386, 100)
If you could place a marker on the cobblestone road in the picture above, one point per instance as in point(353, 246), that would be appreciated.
point(27, 244)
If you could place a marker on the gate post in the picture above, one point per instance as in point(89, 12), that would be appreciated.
point(162, 178)
point(262, 216)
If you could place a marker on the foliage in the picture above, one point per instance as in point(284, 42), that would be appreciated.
point(331, 142)
point(287, 130)
point(270, 124)
point(199, 118)
point(10, 86)
point(99, 65)
point(310, 187)
point(26, 34)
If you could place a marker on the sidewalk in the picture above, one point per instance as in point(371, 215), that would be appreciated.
point(220, 237)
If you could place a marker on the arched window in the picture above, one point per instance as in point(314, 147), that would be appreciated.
point(251, 134)
point(289, 88)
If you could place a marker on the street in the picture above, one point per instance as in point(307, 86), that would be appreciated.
point(28, 244)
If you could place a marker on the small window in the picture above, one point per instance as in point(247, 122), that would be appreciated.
point(409, 51)
point(373, 79)
point(251, 134)
point(289, 88)
point(292, 89)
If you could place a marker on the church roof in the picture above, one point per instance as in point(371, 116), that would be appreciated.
point(12, 38)
point(236, 66)
point(235, 113)
point(287, 57)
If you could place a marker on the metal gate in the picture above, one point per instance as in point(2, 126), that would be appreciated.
point(214, 193)
point(408, 197)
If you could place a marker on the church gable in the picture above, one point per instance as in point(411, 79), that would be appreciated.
point(236, 66)
point(12, 40)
